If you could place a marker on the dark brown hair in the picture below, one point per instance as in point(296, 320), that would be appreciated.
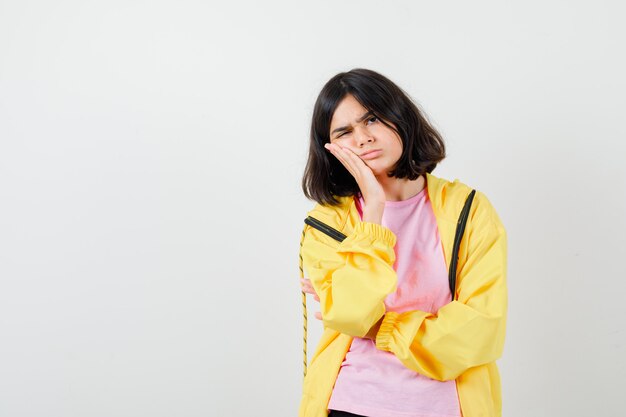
point(422, 146)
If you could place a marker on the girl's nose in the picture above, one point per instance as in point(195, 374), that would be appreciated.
point(363, 137)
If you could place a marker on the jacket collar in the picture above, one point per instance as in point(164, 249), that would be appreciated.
point(446, 197)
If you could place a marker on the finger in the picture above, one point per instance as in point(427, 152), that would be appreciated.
point(318, 315)
point(309, 291)
point(304, 283)
point(358, 165)
point(342, 156)
point(353, 163)
point(348, 161)
point(307, 288)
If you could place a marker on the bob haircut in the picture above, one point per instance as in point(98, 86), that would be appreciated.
point(422, 146)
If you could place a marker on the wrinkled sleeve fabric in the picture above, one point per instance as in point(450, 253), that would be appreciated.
point(352, 277)
point(466, 332)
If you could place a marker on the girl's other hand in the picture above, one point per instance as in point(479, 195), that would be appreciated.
point(373, 193)
point(308, 288)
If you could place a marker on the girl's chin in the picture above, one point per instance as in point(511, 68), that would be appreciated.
point(376, 167)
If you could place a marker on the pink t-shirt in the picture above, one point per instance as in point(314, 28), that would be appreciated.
point(372, 382)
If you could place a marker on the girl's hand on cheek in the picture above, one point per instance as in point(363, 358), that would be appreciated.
point(373, 192)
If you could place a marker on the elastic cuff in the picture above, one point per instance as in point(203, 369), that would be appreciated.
point(377, 231)
point(383, 337)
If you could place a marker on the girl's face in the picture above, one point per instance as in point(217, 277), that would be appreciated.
point(354, 128)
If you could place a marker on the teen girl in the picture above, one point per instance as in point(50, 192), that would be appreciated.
point(377, 248)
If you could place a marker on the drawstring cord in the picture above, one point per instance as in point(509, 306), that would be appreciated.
point(303, 305)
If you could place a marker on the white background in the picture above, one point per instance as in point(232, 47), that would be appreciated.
point(151, 154)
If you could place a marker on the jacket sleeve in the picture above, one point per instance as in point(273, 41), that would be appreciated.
point(352, 278)
point(466, 332)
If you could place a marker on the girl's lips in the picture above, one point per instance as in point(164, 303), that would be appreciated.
point(372, 155)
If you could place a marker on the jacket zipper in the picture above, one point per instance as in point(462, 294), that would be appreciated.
point(324, 228)
point(458, 235)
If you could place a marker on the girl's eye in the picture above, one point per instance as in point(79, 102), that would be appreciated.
point(371, 119)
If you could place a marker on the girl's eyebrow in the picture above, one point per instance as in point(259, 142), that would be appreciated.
point(359, 120)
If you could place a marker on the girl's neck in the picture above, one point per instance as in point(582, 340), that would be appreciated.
point(401, 189)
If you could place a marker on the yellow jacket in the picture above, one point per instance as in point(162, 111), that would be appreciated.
point(352, 277)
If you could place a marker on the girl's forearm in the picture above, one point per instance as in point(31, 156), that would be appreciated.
point(373, 214)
